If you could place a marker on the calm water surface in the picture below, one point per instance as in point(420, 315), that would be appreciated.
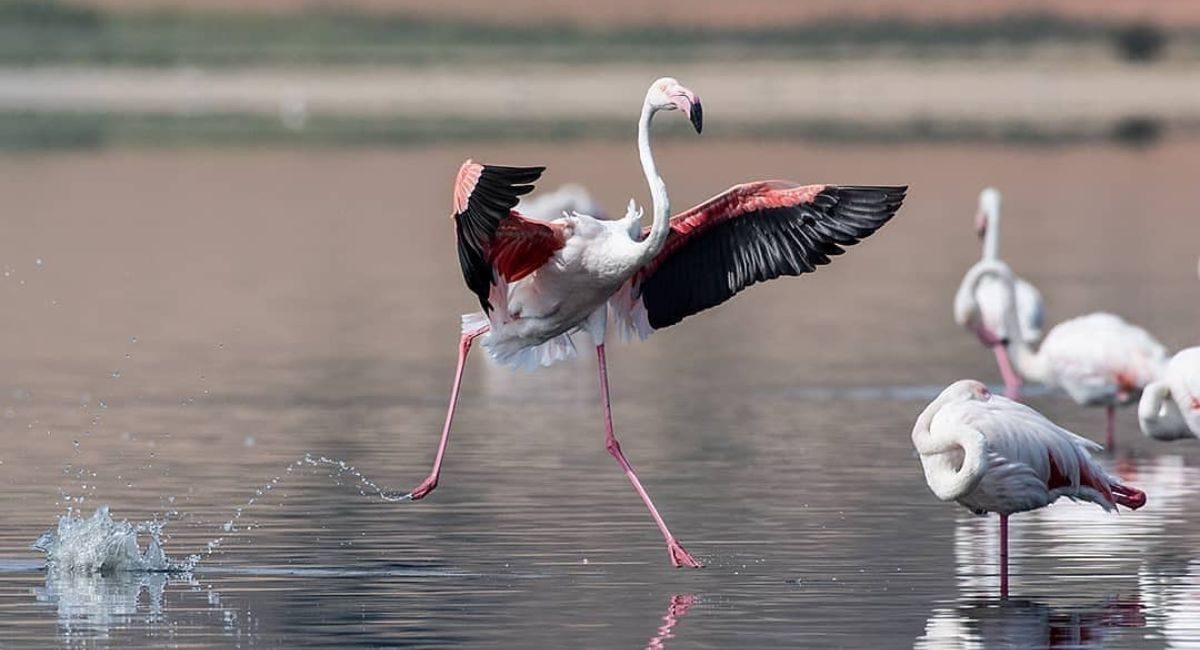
point(181, 328)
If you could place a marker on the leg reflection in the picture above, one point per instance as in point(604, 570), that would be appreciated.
point(680, 603)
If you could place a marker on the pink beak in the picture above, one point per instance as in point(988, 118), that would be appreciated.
point(687, 101)
point(981, 223)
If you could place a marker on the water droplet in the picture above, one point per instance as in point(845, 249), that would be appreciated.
point(133, 340)
point(38, 261)
point(116, 374)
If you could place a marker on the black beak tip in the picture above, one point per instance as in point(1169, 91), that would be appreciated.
point(697, 117)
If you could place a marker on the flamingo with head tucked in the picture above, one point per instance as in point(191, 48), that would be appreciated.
point(1098, 359)
point(992, 454)
point(541, 282)
point(986, 321)
point(1170, 407)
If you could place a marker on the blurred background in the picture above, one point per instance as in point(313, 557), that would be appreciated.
point(225, 244)
point(94, 73)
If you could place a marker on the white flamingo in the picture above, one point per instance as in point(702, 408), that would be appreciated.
point(1098, 359)
point(987, 320)
point(992, 454)
point(540, 282)
point(1170, 407)
point(568, 199)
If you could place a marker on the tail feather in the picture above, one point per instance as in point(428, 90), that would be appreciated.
point(518, 353)
point(1129, 497)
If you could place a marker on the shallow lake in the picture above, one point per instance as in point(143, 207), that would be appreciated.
point(181, 328)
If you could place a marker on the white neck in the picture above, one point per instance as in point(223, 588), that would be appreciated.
point(940, 453)
point(1025, 359)
point(658, 189)
point(1159, 415)
point(991, 237)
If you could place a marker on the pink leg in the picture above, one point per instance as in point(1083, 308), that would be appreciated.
point(1012, 382)
point(1004, 556)
point(1110, 432)
point(679, 556)
point(464, 347)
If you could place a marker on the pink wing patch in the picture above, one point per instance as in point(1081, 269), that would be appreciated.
point(522, 246)
point(464, 184)
point(730, 204)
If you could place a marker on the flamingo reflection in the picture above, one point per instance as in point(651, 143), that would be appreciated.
point(1171, 589)
point(1072, 531)
point(1027, 624)
point(679, 606)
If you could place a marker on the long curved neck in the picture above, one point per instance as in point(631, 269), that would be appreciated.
point(991, 237)
point(1159, 415)
point(1025, 359)
point(954, 463)
point(658, 189)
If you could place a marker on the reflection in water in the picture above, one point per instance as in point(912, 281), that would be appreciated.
point(93, 606)
point(1171, 590)
point(1083, 537)
point(680, 604)
point(1027, 625)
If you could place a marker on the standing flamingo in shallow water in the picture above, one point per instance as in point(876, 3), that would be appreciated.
point(992, 454)
point(1170, 407)
point(986, 321)
point(540, 282)
point(1099, 359)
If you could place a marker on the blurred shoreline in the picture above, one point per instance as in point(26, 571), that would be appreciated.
point(849, 100)
point(343, 74)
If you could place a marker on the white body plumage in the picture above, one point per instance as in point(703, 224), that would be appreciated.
point(992, 454)
point(1170, 407)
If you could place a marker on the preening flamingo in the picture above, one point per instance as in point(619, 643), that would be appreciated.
point(568, 199)
point(987, 320)
point(992, 454)
point(1170, 407)
point(1099, 359)
point(540, 282)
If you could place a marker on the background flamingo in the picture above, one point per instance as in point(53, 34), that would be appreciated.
point(539, 282)
point(567, 199)
point(987, 321)
point(992, 454)
point(1170, 407)
point(1099, 359)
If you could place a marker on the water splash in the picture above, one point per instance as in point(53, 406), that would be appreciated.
point(341, 469)
point(366, 487)
point(99, 544)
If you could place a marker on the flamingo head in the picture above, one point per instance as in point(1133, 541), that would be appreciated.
point(666, 94)
point(966, 390)
point(989, 210)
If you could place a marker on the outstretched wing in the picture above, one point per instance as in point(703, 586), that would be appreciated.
point(747, 234)
point(492, 238)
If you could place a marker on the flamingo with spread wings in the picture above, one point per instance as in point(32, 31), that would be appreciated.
point(540, 282)
point(992, 454)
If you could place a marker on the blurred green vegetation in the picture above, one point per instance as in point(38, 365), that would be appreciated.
point(49, 32)
point(24, 131)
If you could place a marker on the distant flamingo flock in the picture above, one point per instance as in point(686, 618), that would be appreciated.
point(546, 268)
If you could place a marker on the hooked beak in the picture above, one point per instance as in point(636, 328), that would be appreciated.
point(981, 223)
point(689, 103)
